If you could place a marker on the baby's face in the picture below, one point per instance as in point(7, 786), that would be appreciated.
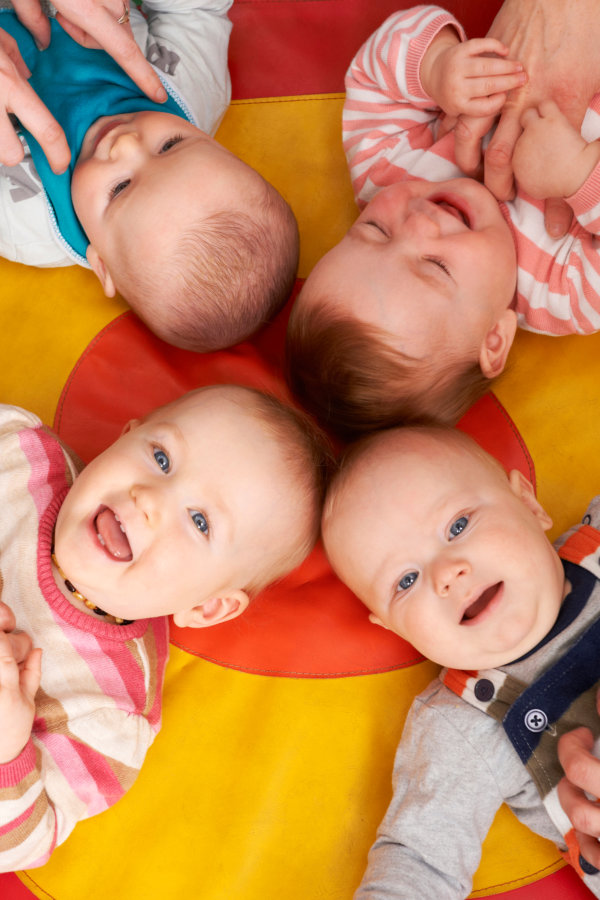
point(184, 507)
point(431, 264)
point(446, 551)
point(140, 179)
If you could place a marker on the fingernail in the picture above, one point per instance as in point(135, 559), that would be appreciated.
point(587, 867)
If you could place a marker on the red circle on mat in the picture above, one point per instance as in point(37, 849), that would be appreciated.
point(309, 624)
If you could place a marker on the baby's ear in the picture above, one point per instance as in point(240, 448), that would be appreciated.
point(497, 343)
point(525, 491)
point(375, 620)
point(213, 611)
point(131, 425)
point(102, 273)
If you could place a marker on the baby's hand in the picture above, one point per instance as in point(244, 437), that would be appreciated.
point(551, 159)
point(463, 79)
point(18, 686)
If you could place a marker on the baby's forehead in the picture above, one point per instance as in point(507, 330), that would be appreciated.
point(405, 462)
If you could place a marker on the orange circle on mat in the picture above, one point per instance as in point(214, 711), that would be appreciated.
point(309, 624)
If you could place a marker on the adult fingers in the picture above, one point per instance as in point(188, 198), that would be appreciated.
point(558, 216)
point(579, 765)
point(589, 847)
point(468, 134)
point(30, 14)
point(100, 28)
point(498, 174)
point(11, 149)
point(34, 115)
point(584, 814)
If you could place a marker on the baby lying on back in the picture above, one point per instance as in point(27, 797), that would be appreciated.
point(198, 243)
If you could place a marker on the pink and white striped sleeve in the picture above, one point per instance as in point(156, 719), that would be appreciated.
point(389, 122)
point(57, 781)
point(558, 284)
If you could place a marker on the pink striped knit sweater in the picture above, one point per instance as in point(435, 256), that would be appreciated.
point(99, 704)
point(390, 131)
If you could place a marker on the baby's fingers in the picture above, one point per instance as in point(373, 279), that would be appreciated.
point(485, 106)
point(21, 645)
point(477, 46)
point(31, 673)
point(9, 669)
point(487, 84)
point(7, 617)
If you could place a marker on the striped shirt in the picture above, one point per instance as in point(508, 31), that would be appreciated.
point(98, 707)
point(390, 131)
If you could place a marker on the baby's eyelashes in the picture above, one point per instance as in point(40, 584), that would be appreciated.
point(438, 262)
point(171, 143)
point(118, 188)
point(377, 226)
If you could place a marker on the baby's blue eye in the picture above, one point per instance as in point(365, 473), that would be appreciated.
point(459, 526)
point(200, 521)
point(162, 460)
point(407, 581)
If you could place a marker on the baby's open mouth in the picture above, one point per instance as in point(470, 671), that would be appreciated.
point(481, 603)
point(111, 535)
point(455, 209)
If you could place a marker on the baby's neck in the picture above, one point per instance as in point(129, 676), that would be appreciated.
point(76, 598)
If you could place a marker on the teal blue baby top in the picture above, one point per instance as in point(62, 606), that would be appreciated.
point(78, 86)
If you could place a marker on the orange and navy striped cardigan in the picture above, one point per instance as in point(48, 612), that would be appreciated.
point(473, 740)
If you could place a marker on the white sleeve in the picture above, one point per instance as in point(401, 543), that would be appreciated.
point(188, 42)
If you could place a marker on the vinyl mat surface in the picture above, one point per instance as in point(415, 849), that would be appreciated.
point(273, 767)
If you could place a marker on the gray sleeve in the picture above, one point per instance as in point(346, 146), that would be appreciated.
point(446, 795)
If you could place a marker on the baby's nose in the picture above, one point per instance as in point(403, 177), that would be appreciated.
point(447, 572)
point(147, 501)
point(423, 215)
point(126, 143)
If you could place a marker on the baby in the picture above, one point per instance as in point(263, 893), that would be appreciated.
point(199, 244)
point(413, 313)
point(192, 511)
point(451, 554)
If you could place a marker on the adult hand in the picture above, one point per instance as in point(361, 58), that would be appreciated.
point(557, 41)
point(582, 773)
point(18, 97)
point(94, 24)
